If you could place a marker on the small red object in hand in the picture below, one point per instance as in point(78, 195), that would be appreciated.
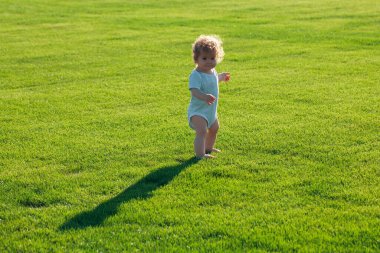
point(211, 100)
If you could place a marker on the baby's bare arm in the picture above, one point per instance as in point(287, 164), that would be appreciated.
point(208, 98)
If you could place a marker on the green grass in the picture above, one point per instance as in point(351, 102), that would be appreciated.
point(95, 149)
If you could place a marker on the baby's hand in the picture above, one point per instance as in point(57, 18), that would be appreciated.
point(225, 76)
point(210, 99)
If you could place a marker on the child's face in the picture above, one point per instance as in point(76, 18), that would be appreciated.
point(206, 61)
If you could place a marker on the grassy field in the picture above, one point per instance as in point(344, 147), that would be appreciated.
point(96, 154)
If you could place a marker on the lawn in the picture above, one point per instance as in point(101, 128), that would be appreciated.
point(95, 150)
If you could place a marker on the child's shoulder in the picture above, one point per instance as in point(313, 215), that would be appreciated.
point(195, 73)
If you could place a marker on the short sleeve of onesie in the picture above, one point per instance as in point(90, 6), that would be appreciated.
point(195, 80)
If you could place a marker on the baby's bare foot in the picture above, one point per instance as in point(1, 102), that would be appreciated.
point(206, 156)
point(213, 150)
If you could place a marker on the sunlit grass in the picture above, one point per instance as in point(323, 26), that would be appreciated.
point(96, 153)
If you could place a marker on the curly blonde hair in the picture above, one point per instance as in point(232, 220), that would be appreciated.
point(208, 43)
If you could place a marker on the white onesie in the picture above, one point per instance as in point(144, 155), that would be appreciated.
point(208, 84)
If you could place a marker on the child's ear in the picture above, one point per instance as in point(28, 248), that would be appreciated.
point(195, 60)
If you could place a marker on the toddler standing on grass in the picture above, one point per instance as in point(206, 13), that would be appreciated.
point(204, 87)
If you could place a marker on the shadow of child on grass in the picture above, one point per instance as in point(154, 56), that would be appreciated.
point(140, 190)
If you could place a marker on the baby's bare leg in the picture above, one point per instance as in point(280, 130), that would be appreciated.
point(211, 137)
point(200, 126)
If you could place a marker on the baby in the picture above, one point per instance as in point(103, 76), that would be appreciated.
point(204, 87)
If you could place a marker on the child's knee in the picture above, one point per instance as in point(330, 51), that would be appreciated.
point(199, 124)
point(201, 131)
point(214, 128)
